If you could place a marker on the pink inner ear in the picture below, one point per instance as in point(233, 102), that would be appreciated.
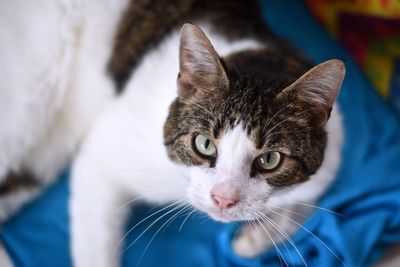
point(200, 67)
point(186, 88)
point(333, 93)
point(330, 75)
point(320, 85)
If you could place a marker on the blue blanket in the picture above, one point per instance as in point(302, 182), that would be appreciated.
point(366, 191)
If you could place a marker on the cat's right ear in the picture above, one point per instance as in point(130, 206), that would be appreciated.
point(200, 69)
point(318, 88)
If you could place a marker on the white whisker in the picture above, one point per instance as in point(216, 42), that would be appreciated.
point(292, 132)
point(282, 241)
point(265, 217)
point(180, 227)
point(276, 114)
point(317, 207)
point(153, 223)
point(311, 233)
point(166, 224)
point(279, 229)
point(273, 242)
point(205, 220)
point(130, 202)
point(287, 210)
point(180, 213)
point(200, 106)
point(279, 123)
point(190, 117)
point(137, 224)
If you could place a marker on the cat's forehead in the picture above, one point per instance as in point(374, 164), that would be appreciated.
point(236, 149)
point(256, 77)
point(236, 139)
point(264, 67)
point(243, 111)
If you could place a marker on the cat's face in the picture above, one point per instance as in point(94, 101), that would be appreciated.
point(245, 136)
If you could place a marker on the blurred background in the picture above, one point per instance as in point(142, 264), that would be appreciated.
point(370, 31)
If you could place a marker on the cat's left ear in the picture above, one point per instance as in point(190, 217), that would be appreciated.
point(200, 68)
point(318, 88)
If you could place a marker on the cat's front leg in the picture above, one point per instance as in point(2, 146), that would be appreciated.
point(97, 216)
point(269, 231)
point(252, 240)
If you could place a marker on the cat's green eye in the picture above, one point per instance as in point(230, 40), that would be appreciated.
point(205, 146)
point(268, 161)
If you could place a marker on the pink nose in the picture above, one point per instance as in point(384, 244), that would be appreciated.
point(223, 202)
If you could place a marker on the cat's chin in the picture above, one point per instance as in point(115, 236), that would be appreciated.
point(224, 217)
point(218, 215)
point(221, 217)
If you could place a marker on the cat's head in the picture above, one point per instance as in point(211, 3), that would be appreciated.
point(242, 134)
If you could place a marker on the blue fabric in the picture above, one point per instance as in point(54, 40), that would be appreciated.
point(366, 192)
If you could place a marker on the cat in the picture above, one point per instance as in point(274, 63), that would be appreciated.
point(221, 114)
point(224, 115)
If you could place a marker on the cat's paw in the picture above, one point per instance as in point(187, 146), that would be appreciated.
point(249, 242)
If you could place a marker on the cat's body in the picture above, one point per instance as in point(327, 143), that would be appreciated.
point(134, 151)
point(54, 85)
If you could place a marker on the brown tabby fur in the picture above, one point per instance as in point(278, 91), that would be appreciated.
point(274, 123)
point(17, 181)
point(146, 22)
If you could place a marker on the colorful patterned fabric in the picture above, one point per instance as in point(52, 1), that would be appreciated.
point(370, 31)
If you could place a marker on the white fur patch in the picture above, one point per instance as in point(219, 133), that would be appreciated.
point(235, 154)
point(236, 151)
